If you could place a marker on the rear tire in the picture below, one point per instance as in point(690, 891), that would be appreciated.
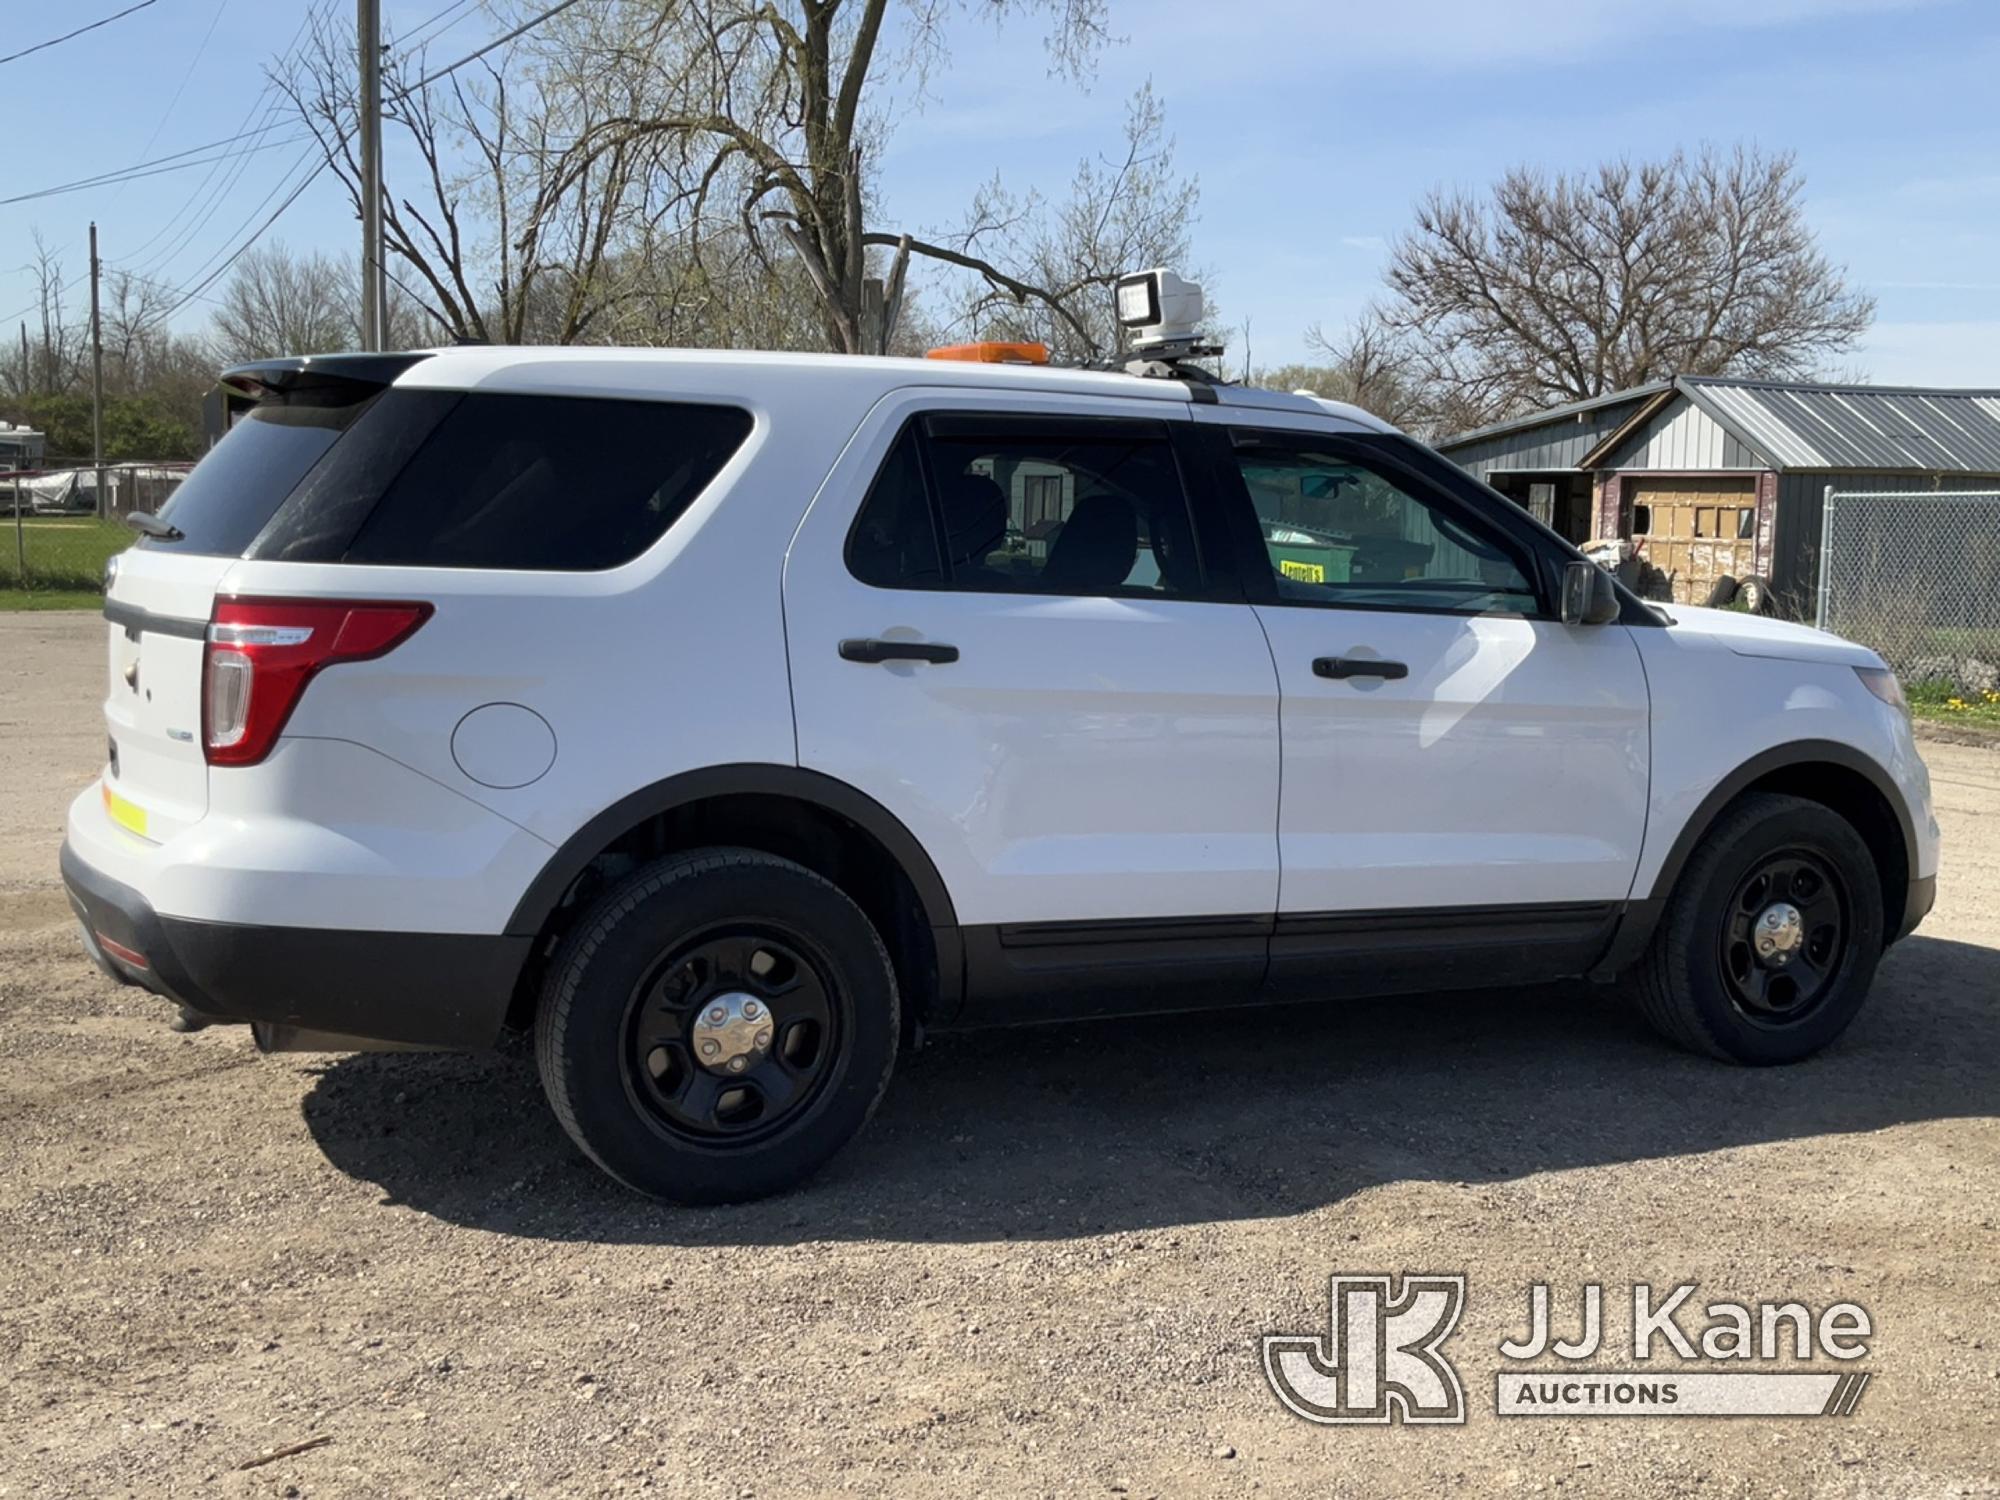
point(1769, 942)
point(703, 962)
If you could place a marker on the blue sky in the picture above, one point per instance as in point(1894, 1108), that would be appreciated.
point(1312, 127)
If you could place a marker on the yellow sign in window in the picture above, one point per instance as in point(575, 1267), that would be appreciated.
point(1303, 572)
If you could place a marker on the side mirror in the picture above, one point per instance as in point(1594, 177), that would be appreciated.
point(1588, 596)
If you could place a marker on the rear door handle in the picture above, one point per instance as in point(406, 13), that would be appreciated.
point(875, 651)
point(1358, 666)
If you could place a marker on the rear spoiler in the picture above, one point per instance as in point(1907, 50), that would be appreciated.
point(267, 377)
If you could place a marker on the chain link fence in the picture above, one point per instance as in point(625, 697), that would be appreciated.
point(56, 532)
point(1916, 576)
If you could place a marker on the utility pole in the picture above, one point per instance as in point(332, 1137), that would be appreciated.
point(97, 379)
point(27, 367)
point(368, 23)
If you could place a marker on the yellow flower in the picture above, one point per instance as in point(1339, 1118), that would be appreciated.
point(1954, 703)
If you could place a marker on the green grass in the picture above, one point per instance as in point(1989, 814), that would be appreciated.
point(16, 600)
point(63, 554)
point(1944, 703)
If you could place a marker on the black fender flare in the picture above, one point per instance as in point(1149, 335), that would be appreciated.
point(1643, 912)
point(1778, 758)
point(543, 894)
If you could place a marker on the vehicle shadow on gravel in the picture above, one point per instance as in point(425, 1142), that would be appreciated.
point(1118, 1126)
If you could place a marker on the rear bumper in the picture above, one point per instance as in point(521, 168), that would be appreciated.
point(448, 990)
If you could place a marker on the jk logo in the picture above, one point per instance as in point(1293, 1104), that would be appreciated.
point(1380, 1362)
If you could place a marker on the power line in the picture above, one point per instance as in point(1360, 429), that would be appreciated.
point(416, 38)
point(194, 291)
point(119, 173)
point(201, 205)
point(111, 178)
point(193, 63)
point(67, 35)
point(499, 41)
point(209, 280)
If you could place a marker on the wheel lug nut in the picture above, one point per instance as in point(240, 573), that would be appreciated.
point(751, 1009)
point(736, 1065)
point(763, 1038)
point(717, 1015)
point(709, 1049)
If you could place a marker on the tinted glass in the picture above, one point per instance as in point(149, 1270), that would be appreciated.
point(330, 503)
point(567, 484)
point(237, 488)
point(1083, 508)
point(1339, 531)
point(894, 541)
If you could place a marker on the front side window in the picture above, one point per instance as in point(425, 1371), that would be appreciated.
point(1339, 530)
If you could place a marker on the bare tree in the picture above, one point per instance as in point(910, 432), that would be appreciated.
point(1364, 365)
point(1123, 214)
point(1562, 288)
point(279, 303)
point(757, 114)
point(485, 243)
point(64, 344)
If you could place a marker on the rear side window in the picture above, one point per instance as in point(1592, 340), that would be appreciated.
point(1029, 505)
point(568, 484)
point(236, 489)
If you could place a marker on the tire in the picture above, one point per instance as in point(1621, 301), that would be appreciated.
point(1754, 594)
point(1702, 984)
point(1723, 594)
point(761, 944)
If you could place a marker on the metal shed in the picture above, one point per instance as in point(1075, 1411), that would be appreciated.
point(1712, 475)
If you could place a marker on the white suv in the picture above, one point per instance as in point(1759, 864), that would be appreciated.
point(729, 718)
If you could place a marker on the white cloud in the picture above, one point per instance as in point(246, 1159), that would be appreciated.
point(1374, 244)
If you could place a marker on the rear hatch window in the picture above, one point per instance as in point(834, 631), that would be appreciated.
point(233, 492)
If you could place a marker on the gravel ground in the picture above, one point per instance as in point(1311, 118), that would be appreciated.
point(1043, 1270)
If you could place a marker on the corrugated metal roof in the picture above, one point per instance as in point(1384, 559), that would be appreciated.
point(1804, 426)
point(1857, 427)
point(1552, 414)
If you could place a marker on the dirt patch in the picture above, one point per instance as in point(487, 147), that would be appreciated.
point(1044, 1269)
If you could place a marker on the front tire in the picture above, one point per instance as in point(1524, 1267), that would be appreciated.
point(1769, 942)
point(717, 1026)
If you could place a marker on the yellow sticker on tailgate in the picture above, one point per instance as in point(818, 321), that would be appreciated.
point(125, 814)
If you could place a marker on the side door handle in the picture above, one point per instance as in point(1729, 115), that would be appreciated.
point(872, 651)
point(1341, 667)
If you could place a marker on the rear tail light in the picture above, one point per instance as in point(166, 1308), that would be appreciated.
point(262, 652)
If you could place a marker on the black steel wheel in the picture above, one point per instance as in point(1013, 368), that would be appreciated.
point(730, 1034)
point(1783, 937)
point(1768, 944)
point(717, 1026)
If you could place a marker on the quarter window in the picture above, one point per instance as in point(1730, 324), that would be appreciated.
point(1338, 530)
point(568, 484)
point(894, 541)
